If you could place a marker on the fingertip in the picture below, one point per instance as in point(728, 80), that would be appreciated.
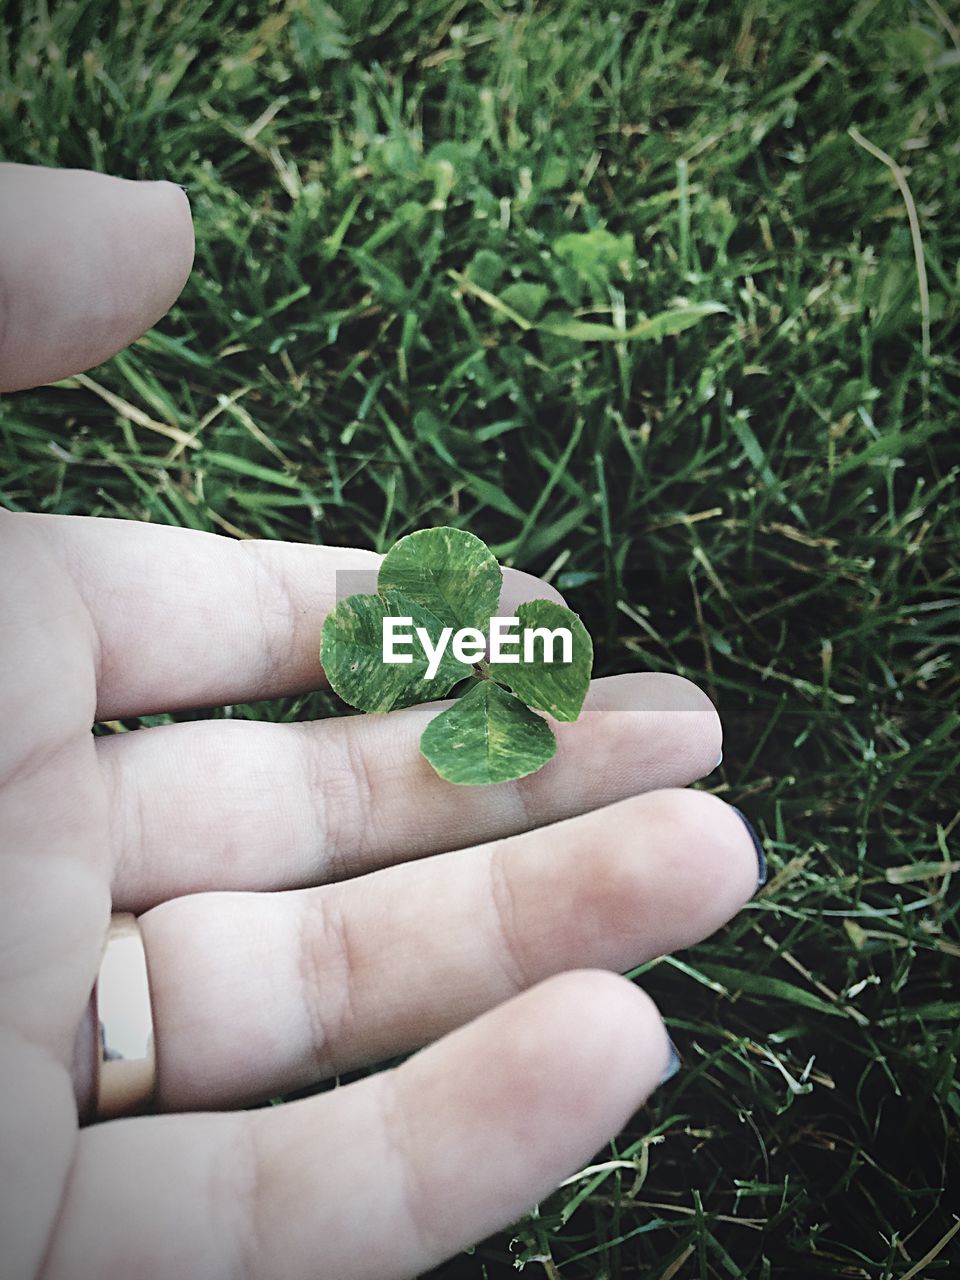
point(729, 854)
point(621, 1034)
point(592, 1045)
point(708, 749)
point(655, 727)
point(176, 214)
point(745, 850)
point(533, 1089)
point(161, 223)
point(665, 691)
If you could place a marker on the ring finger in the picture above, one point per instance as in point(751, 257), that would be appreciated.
point(259, 994)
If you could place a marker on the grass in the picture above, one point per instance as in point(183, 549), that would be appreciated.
point(765, 501)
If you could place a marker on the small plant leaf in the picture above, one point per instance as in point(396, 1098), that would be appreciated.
point(351, 651)
point(597, 255)
point(488, 736)
point(448, 571)
point(526, 298)
point(558, 688)
point(649, 330)
point(560, 325)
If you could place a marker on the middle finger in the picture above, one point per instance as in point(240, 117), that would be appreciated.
point(248, 805)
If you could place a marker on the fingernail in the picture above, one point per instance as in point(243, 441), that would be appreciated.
point(719, 762)
point(761, 860)
point(673, 1064)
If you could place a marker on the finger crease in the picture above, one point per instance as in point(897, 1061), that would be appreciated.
point(521, 791)
point(312, 757)
point(418, 1201)
point(279, 616)
point(363, 797)
point(505, 917)
point(127, 826)
point(239, 1196)
point(326, 972)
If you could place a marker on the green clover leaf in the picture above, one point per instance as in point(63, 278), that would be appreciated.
point(558, 688)
point(352, 655)
point(448, 571)
point(488, 736)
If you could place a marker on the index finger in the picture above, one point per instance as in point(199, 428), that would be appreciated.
point(190, 619)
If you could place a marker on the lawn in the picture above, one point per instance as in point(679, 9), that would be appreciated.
point(433, 242)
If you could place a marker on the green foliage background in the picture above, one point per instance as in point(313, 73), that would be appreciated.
point(765, 502)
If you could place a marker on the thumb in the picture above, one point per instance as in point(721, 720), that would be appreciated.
point(88, 263)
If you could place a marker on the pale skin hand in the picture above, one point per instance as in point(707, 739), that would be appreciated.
point(500, 952)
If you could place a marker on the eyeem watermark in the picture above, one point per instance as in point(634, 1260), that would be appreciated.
point(470, 645)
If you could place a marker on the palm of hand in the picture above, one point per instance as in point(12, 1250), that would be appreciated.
point(259, 993)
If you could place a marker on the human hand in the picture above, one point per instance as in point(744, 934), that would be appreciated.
point(480, 921)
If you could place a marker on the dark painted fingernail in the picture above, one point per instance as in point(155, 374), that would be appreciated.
point(761, 860)
point(673, 1065)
